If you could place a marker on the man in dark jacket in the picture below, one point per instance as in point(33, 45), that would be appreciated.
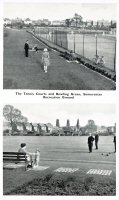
point(26, 47)
point(114, 142)
point(96, 140)
point(90, 142)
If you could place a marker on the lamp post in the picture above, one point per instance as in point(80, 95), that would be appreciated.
point(115, 58)
point(73, 33)
point(60, 38)
point(96, 44)
point(56, 35)
point(83, 44)
point(49, 36)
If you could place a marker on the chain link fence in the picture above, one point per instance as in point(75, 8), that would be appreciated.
point(86, 45)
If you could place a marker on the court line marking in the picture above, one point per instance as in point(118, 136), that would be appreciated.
point(100, 172)
point(66, 170)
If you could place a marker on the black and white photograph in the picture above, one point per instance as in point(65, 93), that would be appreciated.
point(59, 149)
point(59, 46)
point(59, 110)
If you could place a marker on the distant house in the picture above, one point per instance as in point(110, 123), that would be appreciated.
point(111, 129)
point(7, 21)
point(56, 23)
point(102, 130)
point(46, 22)
point(28, 127)
point(94, 23)
point(49, 127)
point(27, 21)
point(7, 129)
point(55, 130)
point(37, 22)
point(89, 23)
point(62, 22)
point(113, 29)
point(42, 127)
point(19, 126)
point(68, 130)
point(34, 127)
point(6, 125)
point(104, 23)
point(17, 21)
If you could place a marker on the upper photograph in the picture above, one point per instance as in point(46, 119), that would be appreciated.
point(59, 46)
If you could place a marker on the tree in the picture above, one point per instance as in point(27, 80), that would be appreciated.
point(33, 130)
point(57, 123)
point(77, 125)
point(13, 115)
point(68, 123)
point(91, 127)
point(68, 22)
point(23, 119)
point(78, 19)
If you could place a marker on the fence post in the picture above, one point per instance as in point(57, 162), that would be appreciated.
point(46, 34)
point(83, 44)
point(96, 45)
point(60, 38)
point(115, 58)
point(39, 31)
point(56, 36)
point(74, 42)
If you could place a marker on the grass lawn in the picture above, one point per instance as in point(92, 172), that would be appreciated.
point(68, 148)
point(27, 73)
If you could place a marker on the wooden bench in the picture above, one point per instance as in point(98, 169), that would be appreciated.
point(15, 157)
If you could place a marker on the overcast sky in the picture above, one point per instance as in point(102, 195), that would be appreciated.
point(102, 114)
point(58, 11)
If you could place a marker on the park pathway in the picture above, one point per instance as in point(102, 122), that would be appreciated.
point(27, 73)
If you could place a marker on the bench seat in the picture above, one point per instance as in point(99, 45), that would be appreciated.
point(15, 157)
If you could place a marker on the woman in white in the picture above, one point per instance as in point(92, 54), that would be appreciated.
point(46, 59)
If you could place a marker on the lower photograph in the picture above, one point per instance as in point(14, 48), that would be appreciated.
point(59, 149)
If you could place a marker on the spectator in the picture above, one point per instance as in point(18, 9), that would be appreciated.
point(72, 56)
point(26, 47)
point(96, 140)
point(28, 154)
point(36, 48)
point(37, 158)
point(90, 142)
point(46, 59)
point(114, 140)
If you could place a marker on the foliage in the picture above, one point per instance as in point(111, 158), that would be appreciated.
point(57, 123)
point(68, 22)
point(13, 115)
point(58, 184)
point(68, 123)
point(78, 19)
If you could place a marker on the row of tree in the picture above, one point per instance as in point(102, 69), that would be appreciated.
point(14, 115)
